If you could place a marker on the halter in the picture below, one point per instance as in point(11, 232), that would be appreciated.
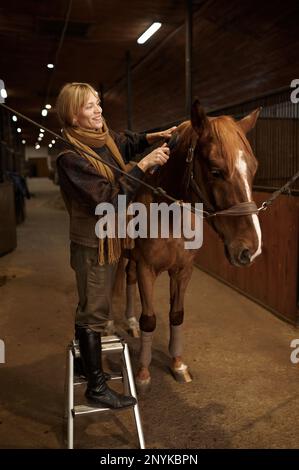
point(189, 182)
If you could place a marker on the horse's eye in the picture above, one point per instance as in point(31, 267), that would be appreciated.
point(216, 173)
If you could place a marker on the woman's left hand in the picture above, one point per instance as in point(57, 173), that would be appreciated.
point(156, 136)
point(168, 132)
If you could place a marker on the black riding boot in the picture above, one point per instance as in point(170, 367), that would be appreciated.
point(78, 363)
point(98, 393)
point(79, 370)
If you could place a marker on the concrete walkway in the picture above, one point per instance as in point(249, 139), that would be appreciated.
point(245, 390)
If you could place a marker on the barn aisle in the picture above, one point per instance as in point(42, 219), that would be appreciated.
point(245, 389)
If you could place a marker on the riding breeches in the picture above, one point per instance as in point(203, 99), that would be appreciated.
point(94, 285)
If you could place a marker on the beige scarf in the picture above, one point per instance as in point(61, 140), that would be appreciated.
point(84, 139)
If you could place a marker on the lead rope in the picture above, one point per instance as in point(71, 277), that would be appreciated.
point(244, 208)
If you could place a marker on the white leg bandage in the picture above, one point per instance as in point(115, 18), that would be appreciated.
point(175, 347)
point(145, 356)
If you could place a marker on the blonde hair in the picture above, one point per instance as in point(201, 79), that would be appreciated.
point(70, 99)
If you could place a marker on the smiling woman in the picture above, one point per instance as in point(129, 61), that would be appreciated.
point(90, 114)
point(85, 182)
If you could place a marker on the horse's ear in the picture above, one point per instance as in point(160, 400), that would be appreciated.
point(199, 118)
point(248, 122)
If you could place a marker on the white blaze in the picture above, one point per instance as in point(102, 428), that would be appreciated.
point(241, 166)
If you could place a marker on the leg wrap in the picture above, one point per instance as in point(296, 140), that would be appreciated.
point(176, 318)
point(147, 323)
point(176, 340)
point(145, 355)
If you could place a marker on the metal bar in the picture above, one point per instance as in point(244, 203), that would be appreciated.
point(70, 402)
point(85, 409)
point(102, 95)
point(129, 90)
point(188, 56)
point(134, 394)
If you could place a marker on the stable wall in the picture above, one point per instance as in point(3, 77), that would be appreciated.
point(272, 280)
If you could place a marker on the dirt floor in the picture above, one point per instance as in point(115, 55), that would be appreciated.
point(244, 392)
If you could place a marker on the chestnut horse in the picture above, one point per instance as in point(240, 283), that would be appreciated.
point(219, 174)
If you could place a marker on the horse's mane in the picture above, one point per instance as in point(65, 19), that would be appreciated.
point(226, 134)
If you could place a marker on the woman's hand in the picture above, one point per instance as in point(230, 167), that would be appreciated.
point(167, 133)
point(159, 157)
point(151, 138)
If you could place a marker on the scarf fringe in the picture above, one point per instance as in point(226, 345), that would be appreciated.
point(115, 246)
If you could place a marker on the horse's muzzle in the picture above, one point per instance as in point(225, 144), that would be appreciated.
point(240, 256)
point(244, 257)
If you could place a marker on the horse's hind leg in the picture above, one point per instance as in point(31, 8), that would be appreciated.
point(146, 279)
point(178, 284)
point(131, 297)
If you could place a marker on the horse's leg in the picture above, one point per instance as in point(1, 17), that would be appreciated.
point(178, 284)
point(131, 297)
point(146, 278)
point(110, 325)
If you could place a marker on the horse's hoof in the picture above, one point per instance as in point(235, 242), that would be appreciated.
point(181, 374)
point(143, 385)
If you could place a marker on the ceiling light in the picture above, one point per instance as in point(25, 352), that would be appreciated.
point(53, 141)
point(3, 93)
point(19, 130)
point(23, 141)
point(37, 146)
point(50, 145)
point(50, 66)
point(44, 112)
point(39, 139)
point(41, 135)
point(14, 118)
point(42, 130)
point(48, 106)
point(148, 33)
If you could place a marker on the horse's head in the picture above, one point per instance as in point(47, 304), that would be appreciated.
point(224, 168)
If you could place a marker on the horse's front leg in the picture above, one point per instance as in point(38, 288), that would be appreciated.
point(178, 284)
point(146, 278)
point(131, 281)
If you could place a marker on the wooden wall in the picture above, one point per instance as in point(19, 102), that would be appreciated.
point(8, 231)
point(272, 279)
point(38, 167)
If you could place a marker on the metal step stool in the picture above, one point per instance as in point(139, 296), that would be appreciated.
point(110, 344)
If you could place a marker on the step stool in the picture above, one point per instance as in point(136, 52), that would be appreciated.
point(110, 344)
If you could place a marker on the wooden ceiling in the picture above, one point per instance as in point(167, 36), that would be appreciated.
point(96, 40)
point(237, 46)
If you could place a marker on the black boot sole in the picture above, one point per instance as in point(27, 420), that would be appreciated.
point(99, 404)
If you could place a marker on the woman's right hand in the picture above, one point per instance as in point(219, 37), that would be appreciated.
point(159, 157)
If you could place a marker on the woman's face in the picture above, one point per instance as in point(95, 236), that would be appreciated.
point(90, 114)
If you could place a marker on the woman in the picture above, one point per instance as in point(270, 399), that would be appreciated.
point(85, 182)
